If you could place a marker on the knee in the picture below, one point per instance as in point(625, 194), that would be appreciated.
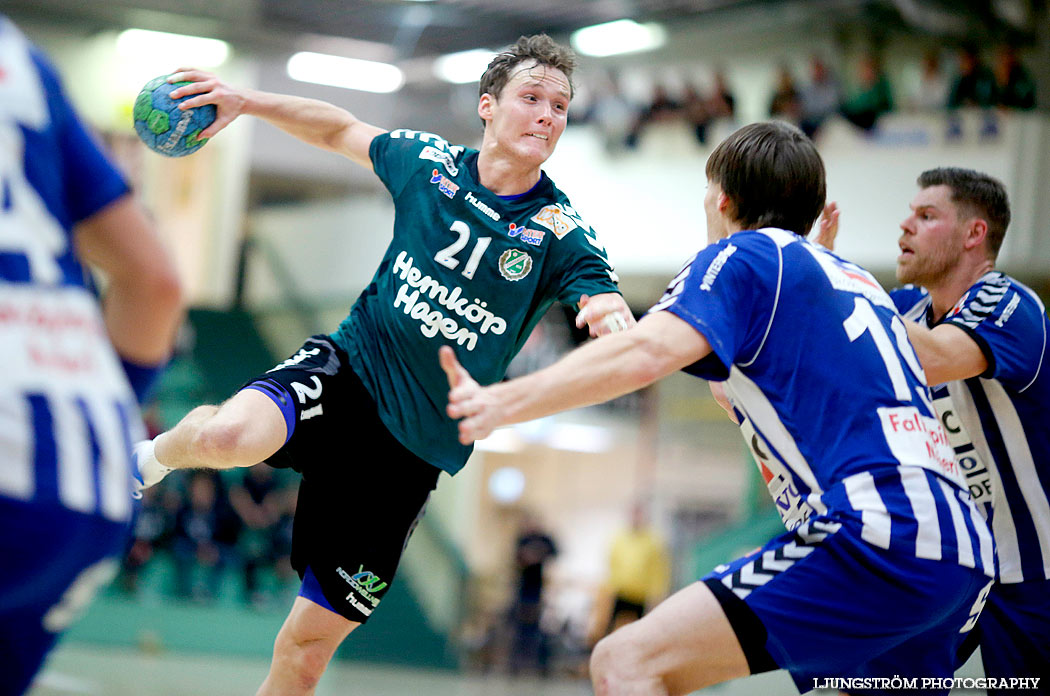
point(302, 662)
point(618, 665)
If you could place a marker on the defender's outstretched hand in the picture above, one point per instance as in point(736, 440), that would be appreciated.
point(828, 226)
point(475, 405)
point(209, 89)
point(604, 314)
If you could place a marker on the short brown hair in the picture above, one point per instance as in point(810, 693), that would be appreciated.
point(773, 176)
point(538, 47)
point(975, 195)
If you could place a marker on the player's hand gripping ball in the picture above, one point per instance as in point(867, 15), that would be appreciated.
point(163, 126)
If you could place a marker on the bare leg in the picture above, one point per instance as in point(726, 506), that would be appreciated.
point(304, 646)
point(243, 431)
point(684, 644)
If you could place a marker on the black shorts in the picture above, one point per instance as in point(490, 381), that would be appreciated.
point(362, 493)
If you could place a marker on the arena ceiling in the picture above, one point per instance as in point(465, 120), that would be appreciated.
point(417, 29)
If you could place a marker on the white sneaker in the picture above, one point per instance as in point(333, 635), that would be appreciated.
point(145, 468)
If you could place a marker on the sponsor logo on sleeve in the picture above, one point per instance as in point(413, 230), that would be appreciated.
point(533, 237)
point(559, 220)
point(441, 157)
point(444, 184)
point(514, 264)
point(716, 267)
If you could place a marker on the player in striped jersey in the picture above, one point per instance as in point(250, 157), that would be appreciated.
point(68, 411)
point(885, 567)
point(982, 338)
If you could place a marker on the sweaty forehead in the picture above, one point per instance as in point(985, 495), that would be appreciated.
point(533, 73)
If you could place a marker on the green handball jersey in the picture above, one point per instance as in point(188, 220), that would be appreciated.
point(466, 268)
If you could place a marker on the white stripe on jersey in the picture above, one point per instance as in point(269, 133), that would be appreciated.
point(743, 391)
point(76, 483)
point(115, 503)
point(962, 534)
point(16, 471)
point(1023, 464)
point(864, 496)
point(1008, 554)
point(917, 488)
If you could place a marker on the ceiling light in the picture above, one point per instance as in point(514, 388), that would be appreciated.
point(172, 49)
point(349, 73)
point(621, 36)
point(576, 437)
point(502, 440)
point(463, 67)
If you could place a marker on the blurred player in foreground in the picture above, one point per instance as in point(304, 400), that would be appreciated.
point(887, 560)
point(981, 337)
point(483, 244)
point(73, 372)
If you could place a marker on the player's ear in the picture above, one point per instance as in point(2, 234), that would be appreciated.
point(976, 233)
point(485, 107)
point(723, 202)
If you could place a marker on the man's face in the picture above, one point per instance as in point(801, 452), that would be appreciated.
point(530, 115)
point(933, 237)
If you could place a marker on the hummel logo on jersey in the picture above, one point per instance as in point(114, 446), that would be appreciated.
point(480, 205)
point(772, 562)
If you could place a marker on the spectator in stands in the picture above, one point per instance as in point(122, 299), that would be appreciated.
point(662, 107)
point(530, 645)
point(975, 83)
point(612, 113)
point(152, 532)
point(974, 87)
point(1015, 88)
point(205, 534)
point(639, 570)
point(820, 97)
point(785, 104)
point(255, 499)
point(872, 98)
point(931, 94)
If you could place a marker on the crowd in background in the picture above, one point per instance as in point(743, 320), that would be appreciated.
point(1002, 83)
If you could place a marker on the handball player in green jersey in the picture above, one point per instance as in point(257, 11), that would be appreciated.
point(483, 244)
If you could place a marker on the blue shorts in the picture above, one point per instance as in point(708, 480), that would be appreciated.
point(821, 603)
point(45, 549)
point(1014, 632)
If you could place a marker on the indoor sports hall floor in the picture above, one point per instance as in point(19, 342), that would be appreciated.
point(76, 669)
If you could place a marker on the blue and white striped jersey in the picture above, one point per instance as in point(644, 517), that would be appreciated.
point(67, 414)
point(1005, 412)
point(819, 363)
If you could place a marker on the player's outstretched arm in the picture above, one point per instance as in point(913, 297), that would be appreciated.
point(143, 302)
point(946, 353)
point(596, 372)
point(315, 122)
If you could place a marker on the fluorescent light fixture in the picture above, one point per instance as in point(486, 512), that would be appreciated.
point(349, 73)
point(501, 440)
point(621, 36)
point(506, 484)
point(172, 49)
point(463, 67)
point(576, 437)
